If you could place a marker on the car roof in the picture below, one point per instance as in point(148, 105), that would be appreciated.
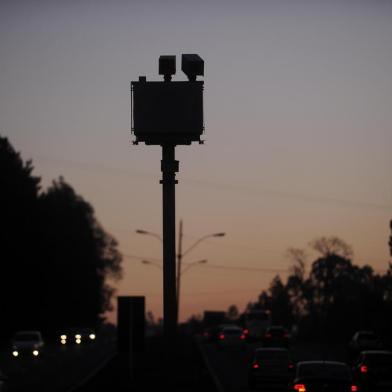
point(376, 352)
point(263, 349)
point(28, 332)
point(364, 332)
point(321, 363)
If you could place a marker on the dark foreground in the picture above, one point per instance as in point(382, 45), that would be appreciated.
point(181, 369)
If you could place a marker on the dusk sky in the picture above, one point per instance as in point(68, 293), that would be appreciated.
point(298, 139)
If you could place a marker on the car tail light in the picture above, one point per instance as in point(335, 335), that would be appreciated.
point(291, 365)
point(221, 336)
point(363, 369)
point(255, 365)
point(246, 331)
point(268, 335)
point(300, 387)
point(242, 337)
point(354, 388)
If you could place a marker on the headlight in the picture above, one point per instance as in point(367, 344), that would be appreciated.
point(15, 353)
point(63, 337)
point(92, 336)
point(63, 341)
point(78, 341)
point(36, 353)
point(78, 336)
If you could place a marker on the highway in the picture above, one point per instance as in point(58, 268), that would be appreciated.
point(60, 369)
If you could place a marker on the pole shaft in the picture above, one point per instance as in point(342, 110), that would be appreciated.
point(169, 167)
point(179, 257)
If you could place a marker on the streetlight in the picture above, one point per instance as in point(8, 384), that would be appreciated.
point(181, 254)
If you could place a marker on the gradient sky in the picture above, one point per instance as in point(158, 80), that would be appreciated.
point(298, 129)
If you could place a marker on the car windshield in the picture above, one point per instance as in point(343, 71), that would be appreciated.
point(257, 316)
point(26, 336)
point(367, 336)
point(232, 331)
point(322, 370)
point(276, 331)
point(381, 359)
point(270, 354)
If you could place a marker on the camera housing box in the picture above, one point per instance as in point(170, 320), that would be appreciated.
point(167, 112)
point(192, 65)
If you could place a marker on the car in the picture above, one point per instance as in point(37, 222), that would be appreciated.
point(27, 344)
point(363, 340)
point(271, 368)
point(212, 333)
point(276, 336)
point(323, 376)
point(77, 336)
point(373, 370)
point(231, 336)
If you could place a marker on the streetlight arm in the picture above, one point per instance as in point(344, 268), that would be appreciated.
point(149, 233)
point(192, 264)
point(202, 239)
point(151, 263)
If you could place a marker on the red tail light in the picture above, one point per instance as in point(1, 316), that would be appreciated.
point(363, 369)
point(291, 365)
point(300, 387)
point(242, 337)
point(354, 388)
point(246, 331)
point(255, 365)
point(268, 335)
point(221, 336)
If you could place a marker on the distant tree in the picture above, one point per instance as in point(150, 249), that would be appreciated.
point(296, 281)
point(79, 258)
point(232, 313)
point(280, 304)
point(327, 246)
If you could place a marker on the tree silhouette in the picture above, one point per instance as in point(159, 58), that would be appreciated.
point(18, 212)
point(79, 253)
point(334, 299)
point(55, 257)
point(232, 313)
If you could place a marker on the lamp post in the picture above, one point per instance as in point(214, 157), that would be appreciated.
point(181, 254)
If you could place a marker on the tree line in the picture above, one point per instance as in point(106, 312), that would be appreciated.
point(334, 298)
point(55, 257)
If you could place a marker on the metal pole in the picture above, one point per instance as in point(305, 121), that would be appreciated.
point(179, 258)
point(169, 167)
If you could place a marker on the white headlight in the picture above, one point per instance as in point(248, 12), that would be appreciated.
point(78, 341)
point(15, 353)
point(92, 336)
point(77, 336)
point(63, 337)
point(35, 353)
